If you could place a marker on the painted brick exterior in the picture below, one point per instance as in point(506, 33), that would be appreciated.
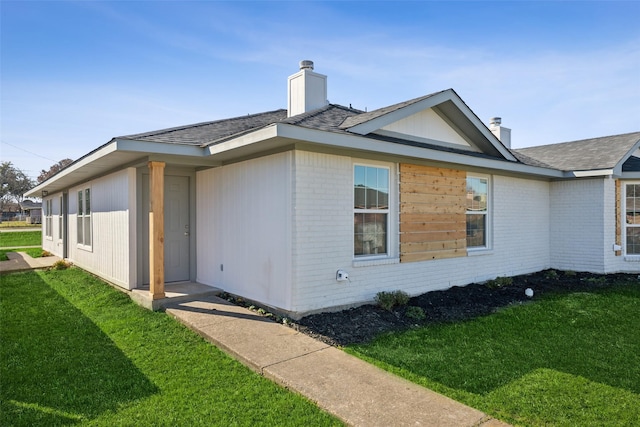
point(577, 206)
point(323, 239)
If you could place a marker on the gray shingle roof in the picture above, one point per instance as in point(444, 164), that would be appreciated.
point(365, 117)
point(204, 133)
point(328, 118)
point(586, 154)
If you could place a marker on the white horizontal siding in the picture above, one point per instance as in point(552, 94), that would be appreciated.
point(112, 253)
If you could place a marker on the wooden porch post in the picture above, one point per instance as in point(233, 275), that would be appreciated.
point(156, 230)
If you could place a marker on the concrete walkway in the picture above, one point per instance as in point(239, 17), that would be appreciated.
point(20, 261)
point(356, 392)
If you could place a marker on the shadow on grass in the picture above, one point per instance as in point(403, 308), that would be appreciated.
point(57, 367)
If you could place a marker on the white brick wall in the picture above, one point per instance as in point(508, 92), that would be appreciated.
point(323, 239)
point(578, 237)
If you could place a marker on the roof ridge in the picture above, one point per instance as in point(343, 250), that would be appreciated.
point(293, 120)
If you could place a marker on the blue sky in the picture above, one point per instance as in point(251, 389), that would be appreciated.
point(76, 74)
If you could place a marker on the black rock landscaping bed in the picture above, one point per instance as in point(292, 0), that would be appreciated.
point(361, 324)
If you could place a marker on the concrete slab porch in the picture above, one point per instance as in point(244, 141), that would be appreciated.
point(174, 293)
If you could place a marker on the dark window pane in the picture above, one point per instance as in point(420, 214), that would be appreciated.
point(87, 231)
point(87, 201)
point(370, 233)
point(383, 199)
point(476, 231)
point(359, 197)
point(79, 230)
point(633, 240)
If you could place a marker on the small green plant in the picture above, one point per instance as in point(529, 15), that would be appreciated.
point(46, 253)
point(597, 281)
point(499, 282)
point(388, 300)
point(570, 273)
point(551, 275)
point(415, 313)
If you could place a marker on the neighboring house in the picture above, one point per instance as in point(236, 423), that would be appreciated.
point(417, 196)
point(10, 211)
point(32, 211)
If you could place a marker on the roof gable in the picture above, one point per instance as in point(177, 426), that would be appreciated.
point(425, 125)
point(441, 118)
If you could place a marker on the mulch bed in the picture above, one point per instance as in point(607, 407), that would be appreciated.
point(361, 324)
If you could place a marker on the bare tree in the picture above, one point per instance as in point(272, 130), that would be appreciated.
point(44, 175)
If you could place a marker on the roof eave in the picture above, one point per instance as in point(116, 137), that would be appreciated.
point(115, 153)
point(590, 173)
point(281, 135)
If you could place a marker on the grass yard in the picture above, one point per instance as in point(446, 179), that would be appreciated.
point(17, 239)
point(33, 252)
point(564, 360)
point(74, 350)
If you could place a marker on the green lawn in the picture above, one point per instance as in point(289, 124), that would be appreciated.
point(16, 239)
point(74, 350)
point(32, 252)
point(564, 360)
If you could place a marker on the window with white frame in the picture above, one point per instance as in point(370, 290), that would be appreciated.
point(632, 218)
point(477, 212)
point(84, 217)
point(370, 210)
point(48, 218)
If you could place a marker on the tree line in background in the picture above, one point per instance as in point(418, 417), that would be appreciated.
point(14, 182)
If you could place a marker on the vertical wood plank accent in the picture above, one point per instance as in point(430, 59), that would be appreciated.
point(156, 230)
point(432, 213)
point(618, 216)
